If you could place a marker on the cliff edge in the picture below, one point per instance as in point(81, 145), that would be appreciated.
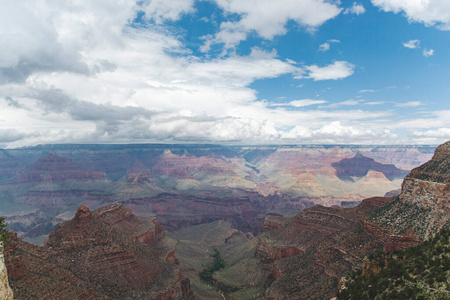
point(5, 291)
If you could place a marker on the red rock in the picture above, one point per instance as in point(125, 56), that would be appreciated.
point(107, 253)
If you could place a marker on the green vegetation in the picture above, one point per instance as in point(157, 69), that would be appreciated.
point(4, 234)
point(218, 264)
point(420, 272)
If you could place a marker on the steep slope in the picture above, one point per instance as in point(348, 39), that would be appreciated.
point(313, 250)
point(423, 206)
point(419, 272)
point(108, 253)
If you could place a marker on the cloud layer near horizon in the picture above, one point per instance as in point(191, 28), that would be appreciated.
point(83, 71)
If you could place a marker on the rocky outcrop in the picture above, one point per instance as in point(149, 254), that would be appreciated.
point(106, 253)
point(5, 291)
point(423, 206)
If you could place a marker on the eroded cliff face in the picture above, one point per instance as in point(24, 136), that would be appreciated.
point(312, 251)
point(423, 206)
point(106, 253)
point(5, 291)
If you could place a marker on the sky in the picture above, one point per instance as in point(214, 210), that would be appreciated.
point(224, 72)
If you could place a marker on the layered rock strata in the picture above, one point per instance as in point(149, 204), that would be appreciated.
point(312, 251)
point(423, 206)
point(107, 253)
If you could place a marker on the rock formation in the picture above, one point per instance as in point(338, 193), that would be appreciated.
point(312, 251)
point(423, 206)
point(5, 291)
point(106, 253)
point(359, 166)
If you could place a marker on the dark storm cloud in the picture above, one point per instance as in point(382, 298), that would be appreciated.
point(41, 62)
point(10, 135)
point(56, 101)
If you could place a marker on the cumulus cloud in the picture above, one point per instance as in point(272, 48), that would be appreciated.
point(336, 132)
point(357, 9)
point(82, 71)
point(430, 12)
point(268, 18)
point(334, 71)
point(412, 44)
point(162, 10)
point(415, 44)
point(434, 133)
point(428, 52)
point(324, 47)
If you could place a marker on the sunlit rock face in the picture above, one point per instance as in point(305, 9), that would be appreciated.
point(423, 206)
point(5, 291)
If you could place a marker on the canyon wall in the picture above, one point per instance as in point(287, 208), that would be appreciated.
point(423, 206)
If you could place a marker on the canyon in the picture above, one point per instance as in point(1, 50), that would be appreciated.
point(306, 256)
point(186, 185)
point(104, 253)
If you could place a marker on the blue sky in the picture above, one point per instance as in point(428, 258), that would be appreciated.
point(225, 71)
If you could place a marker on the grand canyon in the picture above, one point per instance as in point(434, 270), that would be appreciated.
point(224, 149)
point(142, 221)
point(186, 185)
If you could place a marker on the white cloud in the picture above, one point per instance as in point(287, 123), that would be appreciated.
point(443, 132)
point(367, 91)
point(357, 9)
point(162, 10)
point(428, 53)
point(344, 103)
point(324, 47)
point(268, 18)
point(78, 72)
point(374, 103)
point(430, 12)
point(409, 104)
point(336, 70)
point(301, 103)
point(412, 44)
